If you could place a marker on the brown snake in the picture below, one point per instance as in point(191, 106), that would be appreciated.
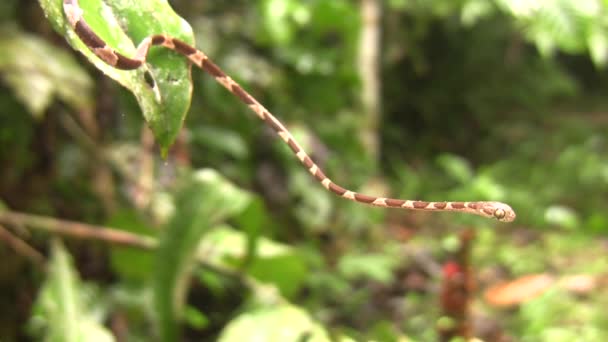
point(74, 15)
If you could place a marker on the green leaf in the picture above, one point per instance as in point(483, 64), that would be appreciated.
point(38, 72)
point(277, 24)
point(562, 216)
point(62, 309)
point(195, 318)
point(131, 264)
point(285, 323)
point(597, 40)
point(474, 10)
point(377, 267)
point(273, 262)
point(123, 25)
point(224, 141)
point(206, 200)
point(456, 167)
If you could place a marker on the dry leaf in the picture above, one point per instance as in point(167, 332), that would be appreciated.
point(518, 291)
point(579, 284)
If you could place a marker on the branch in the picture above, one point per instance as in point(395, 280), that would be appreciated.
point(78, 230)
point(107, 234)
point(21, 247)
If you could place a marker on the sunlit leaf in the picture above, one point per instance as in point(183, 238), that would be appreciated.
point(598, 45)
point(131, 264)
point(473, 10)
point(562, 216)
point(206, 200)
point(456, 167)
point(63, 310)
point(377, 267)
point(272, 262)
point(39, 72)
point(283, 323)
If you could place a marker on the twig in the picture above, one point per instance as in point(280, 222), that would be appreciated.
point(78, 230)
point(21, 247)
point(107, 234)
point(83, 140)
point(145, 184)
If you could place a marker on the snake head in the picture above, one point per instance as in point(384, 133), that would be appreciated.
point(500, 211)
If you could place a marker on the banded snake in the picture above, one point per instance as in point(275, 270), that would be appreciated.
point(74, 15)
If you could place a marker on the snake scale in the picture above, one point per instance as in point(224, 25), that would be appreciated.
point(74, 15)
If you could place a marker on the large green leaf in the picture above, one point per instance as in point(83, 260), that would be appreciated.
point(30, 65)
point(272, 262)
point(63, 310)
point(122, 25)
point(206, 200)
point(131, 264)
point(284, 323)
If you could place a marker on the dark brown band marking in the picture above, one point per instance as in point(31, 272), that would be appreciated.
point(213, 69)
point(293, 146)
point(87, 35)
point(338, 190)
point(319, 175)
point(439, 205)
point(308, 163)
point(457, 205)
point(183, 48)
point(158, 39)
point(125, 63)
point(242, 94)
point(394, 202)
point(365, 198)
point(420, 204)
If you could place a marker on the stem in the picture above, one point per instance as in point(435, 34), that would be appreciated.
point(21, 247)
point(107, 234)
point(369, 71)
point(78, 230)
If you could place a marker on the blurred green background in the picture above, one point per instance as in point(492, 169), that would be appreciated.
point(436, 100)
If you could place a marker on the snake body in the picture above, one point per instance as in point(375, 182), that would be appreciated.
point(74, 15)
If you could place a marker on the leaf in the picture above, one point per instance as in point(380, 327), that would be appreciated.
point(597, 40)
point(277, 25)
point(122, 25)
point(377, 267)
point(456, 167)
point(206, 200)
point(131, 264)
point(519, 290)
point(284, 323)
point(474, 10)
point(38, 72)
point(273, 262)
point(62, 308)
point(228, 143)
point(562, 216)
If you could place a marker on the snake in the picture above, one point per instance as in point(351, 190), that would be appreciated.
point(74, 15)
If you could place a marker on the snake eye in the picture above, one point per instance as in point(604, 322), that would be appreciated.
point(499, 214)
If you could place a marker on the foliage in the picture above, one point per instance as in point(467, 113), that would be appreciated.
point(206, 201)
point(122, 27)
point(26, 63)
point(64, 304)
point(279, 323)
point(498, 100)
